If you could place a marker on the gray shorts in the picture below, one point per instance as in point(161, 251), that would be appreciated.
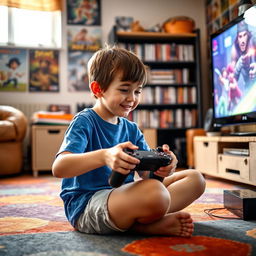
point(95, 218)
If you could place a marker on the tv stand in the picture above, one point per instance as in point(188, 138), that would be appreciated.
point(228, 157)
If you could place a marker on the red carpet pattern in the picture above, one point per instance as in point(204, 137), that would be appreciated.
point(197, 245)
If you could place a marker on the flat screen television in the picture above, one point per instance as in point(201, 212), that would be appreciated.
point(233, 71)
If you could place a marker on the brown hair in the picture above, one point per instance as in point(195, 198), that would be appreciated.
point(107, 62)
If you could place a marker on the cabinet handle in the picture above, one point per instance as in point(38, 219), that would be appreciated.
point(233, 171)
point(53, 131)
point(245, 161)
point(206, 144)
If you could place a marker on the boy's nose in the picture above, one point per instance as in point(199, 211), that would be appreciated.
point(131, 97)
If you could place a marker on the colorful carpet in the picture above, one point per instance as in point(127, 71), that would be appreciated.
point(32, 223)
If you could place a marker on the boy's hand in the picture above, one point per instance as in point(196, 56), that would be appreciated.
point(118, 160)
point(169, 169)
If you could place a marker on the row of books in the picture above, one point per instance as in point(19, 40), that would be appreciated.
point(168, 76)
point(168, 118)
point(161, 52)
point(168, 95)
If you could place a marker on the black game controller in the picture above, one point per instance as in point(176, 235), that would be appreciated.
point(149, 161)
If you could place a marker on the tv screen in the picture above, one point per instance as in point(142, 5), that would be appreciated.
point(233, 59)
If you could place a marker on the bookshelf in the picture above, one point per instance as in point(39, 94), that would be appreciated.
point(171, 99)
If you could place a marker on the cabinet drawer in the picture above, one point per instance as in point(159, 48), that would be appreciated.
point(46, 143)
point(234, 167)
point(206, 156)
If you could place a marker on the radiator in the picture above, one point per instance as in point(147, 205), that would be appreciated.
point(29, 108)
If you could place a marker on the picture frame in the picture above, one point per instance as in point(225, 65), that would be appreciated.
point(77, 71)
point(13, 70)
point(84, 12)
point(43, 70)
point(84, 38)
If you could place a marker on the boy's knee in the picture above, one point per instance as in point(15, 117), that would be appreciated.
point(198, 180)
point(156, 196)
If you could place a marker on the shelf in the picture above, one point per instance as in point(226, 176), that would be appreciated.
point(156, 35)
point(176, 129)
point(170, 64)
point(171, 85)
point(166, 106)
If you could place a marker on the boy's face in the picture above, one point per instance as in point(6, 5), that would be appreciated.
point(121, 97)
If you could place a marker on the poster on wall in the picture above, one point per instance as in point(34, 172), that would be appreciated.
point(13, 70)
point(83, 38)
point(83, 12)
point(77, 70)
point(43, 71)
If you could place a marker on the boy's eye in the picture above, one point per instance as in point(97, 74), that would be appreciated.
point(138, 92)
point(123, 90)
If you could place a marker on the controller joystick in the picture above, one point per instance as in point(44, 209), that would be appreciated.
point(149, 161)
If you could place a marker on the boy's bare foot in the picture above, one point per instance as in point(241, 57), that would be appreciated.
point(172, 224)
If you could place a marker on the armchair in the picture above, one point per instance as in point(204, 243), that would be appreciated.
point(13, 126)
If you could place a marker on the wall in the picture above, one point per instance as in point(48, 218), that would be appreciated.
point(149, 13)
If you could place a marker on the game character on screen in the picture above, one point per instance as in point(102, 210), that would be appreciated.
point(13, 75)
point(234, 93)
point(243, 55)
point(223, 100)
point(94, 145)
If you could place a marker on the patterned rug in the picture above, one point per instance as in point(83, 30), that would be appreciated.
point(32, 223)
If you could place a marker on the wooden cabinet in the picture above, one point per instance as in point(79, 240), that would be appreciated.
point(171, 99)
point(228, 157)
point(46, 140)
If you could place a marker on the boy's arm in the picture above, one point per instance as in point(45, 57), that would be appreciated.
point(68, 165)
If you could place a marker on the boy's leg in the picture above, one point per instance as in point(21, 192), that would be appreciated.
point(184, 187)
point(142, 206)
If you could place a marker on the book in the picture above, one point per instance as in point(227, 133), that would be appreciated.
point(47, 117)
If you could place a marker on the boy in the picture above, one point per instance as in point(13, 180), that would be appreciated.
point(94, 146)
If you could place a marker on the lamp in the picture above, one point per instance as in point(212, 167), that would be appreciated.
point(249, 16)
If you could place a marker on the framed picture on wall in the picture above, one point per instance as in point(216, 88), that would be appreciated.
point(77, 70)
point(84, 38)
point(13, 70)
point(43, 71)
point(83, 12)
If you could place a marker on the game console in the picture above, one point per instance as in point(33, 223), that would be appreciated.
point(241, 202)
point(149, 161)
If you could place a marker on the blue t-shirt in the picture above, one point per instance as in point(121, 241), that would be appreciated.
point(88, 132)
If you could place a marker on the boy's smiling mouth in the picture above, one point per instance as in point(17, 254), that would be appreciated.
point(126, 107)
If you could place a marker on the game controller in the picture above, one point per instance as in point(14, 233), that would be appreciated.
point(149, 161)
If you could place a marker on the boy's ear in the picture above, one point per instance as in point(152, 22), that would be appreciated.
point(95, 88)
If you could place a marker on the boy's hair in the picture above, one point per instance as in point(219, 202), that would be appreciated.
point(107, 62)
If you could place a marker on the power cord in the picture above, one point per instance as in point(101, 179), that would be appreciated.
point(209, 212)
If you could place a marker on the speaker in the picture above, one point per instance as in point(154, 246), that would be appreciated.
point(208, 122)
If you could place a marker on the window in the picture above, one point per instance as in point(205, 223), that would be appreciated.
point(30, 28)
